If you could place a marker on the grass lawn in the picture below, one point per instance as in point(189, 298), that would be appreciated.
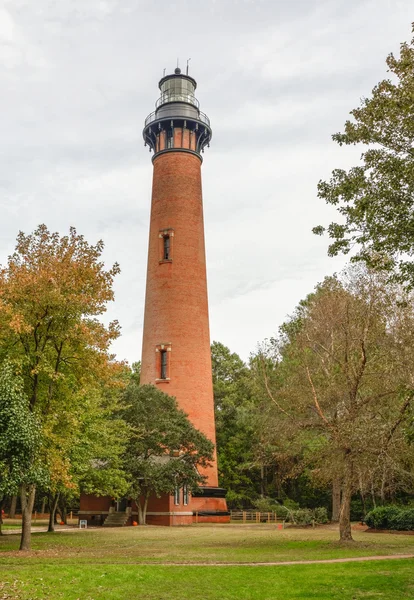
point(155, 563)
point(388, 581)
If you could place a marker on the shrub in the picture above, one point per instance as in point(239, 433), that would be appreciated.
point(282, 512)
point(320, 515)
point(269, 505)
point(306, 516)
point(291, 504)
point(391, 517)
point(266, 505)
point(403, 520)
point(302, 516)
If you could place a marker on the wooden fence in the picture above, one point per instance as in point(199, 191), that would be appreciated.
point(252, 516)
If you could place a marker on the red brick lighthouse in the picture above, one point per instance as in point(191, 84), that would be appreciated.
point(176, 340)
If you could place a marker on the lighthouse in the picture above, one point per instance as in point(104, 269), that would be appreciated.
point(176, 355)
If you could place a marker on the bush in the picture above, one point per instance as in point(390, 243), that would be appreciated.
point(291, 504)
point(282, 512)
point(269, 505)
point(391, 517)
point(320, 515)
point(306, 516)
point(302, 516)
point(266, 505)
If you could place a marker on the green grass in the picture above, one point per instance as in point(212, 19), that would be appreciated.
point(206, 544)
point(155, 563)
point(123, 582)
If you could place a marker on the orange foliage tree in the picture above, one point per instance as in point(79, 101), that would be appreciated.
point(52, 291)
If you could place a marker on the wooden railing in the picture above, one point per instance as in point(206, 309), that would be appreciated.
point(252, 516)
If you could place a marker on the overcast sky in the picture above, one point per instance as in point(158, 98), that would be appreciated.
point(276, 77)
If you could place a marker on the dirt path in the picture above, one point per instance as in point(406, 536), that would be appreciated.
point(281, 563)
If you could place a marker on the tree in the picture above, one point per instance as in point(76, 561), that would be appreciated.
point(51, 292)
point(97, 460)
point(20, 445)
point(345, 384)
point(279, 443)
point(89, 442)
point(236, 417)
point(376, 198)
point(164, 449)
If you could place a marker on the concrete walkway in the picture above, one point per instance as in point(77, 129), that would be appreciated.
point(41, 529)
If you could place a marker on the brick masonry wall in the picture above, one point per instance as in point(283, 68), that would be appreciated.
point(176, 305)
point(98, 503)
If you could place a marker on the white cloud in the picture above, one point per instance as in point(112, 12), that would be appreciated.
point(277, 79)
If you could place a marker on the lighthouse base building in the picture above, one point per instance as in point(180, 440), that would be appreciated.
point(206, 506)
point(176, 355)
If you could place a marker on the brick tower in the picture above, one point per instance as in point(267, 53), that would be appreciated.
point(176, 341)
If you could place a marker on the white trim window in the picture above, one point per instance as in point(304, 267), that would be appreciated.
point(177, 496)
point(185, 494)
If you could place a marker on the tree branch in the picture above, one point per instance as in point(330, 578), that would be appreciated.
point(315, 399)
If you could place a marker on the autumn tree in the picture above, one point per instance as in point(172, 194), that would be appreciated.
point(164, 449)
point(376, 198)
point(52, 291)
point(345, 383)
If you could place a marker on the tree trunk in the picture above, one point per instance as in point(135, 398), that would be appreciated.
point(373, 496)
point(27, 495)
point(345, 534)
point(383, 482)
point(140, 513)
point(336, 500)
point(63, 512)
point(364, 508)
point(1, 513)
point(145, 510)
point(262, 486)
point(53, 502)
point(12, 511)
point(142, 510)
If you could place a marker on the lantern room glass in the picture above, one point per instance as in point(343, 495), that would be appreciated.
point(177, 89)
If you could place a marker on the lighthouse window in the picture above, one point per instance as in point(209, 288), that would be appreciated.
point(170, 138)
point(167, 253)
point(163, 374)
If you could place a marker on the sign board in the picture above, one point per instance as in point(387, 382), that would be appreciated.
point(83, 524)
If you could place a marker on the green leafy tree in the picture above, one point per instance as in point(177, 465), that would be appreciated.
point(20, 445)
point(376, 198)
point(91, 441)
point(164, 449)
point(236, 417)
point(100, 445)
